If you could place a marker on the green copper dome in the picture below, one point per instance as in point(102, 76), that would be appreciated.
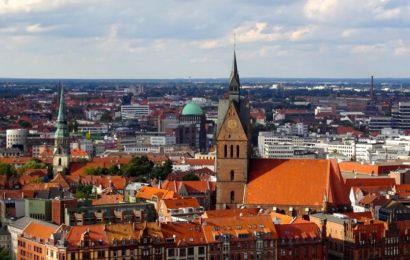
point(192, 109)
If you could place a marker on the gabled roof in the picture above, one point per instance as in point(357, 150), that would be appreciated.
point(236, 226)
point(41, 230)
point(184, 233)
point(95, 233)
point(299, 182)
point(370, 182)
point(298, 231)
point(61, 181)
point(219, 213)
point(176, 203)
point(108, 199)
point(148, 193)
point(190, 186)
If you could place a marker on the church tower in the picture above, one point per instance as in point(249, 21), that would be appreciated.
point(61, 155)
point(232, 144)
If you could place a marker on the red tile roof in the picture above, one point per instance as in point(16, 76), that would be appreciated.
point(235, 226)
point(176, 203)
point(106, 162)
point(370, 182)
point(16, 194)
point(190, 186)
point(147, 193)
point(298, 231)
point(108, 199)
point(295, 182)
point(184, 233)
point(219, 213)
point(39, 230)
point(95, 232)
point(369, 168)
point(197, 162)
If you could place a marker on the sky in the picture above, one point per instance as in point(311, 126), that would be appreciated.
point(195, 38)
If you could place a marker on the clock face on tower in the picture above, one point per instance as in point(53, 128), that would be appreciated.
point(232, 124)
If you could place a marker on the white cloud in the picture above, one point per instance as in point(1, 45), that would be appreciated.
point(320, 9)
point(210, 44)
point(25, 6)
point(349, 32)
point(401, 48)
point(301, 33)
point(368, 48)
point(258, 32)
point(37, 28)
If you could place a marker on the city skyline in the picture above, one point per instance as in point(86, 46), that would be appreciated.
point(181, 39)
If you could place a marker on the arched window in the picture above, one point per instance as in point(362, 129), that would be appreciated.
point(237, 151)
point(232, 197)
point(225, 151)
point(232, 175)
point(231, 150)
point(59, 161)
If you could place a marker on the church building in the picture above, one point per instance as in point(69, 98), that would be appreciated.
point(294, 187)
point(61, 154)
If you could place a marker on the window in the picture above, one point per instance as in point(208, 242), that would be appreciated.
point(232, 196)
point(237, 151)
point(182, 252)
point(225, 151)
point(190, 250)
point(171, 252)
point(59, 161)
point(231, 150)
point(232, 175)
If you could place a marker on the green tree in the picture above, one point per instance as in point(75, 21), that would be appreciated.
point(190, 177)
point(106, 117)
point(83, 191)
point(161, 171)
point(24, 124)
point(114, 170)
point(34, 164)
point(4, 255)
point(137, 166)
point(7, 169)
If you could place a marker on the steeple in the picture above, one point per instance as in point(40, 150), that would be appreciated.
point(61, 158)
point(234, 83)
point(62, 128)
point(61, 115)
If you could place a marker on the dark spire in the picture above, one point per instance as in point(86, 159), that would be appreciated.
point(234, 83)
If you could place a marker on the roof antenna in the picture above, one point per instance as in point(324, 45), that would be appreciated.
point(234, 42)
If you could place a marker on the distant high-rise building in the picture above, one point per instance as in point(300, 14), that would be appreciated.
point(401, 115)
point(17, 138)
point(61, 155)
point(134, 111)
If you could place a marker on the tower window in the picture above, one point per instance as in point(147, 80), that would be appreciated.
point(225, 151)
point(232, 175)
point(231, 151)
point(232, 197)
point(59, 161)
point(237, 151)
